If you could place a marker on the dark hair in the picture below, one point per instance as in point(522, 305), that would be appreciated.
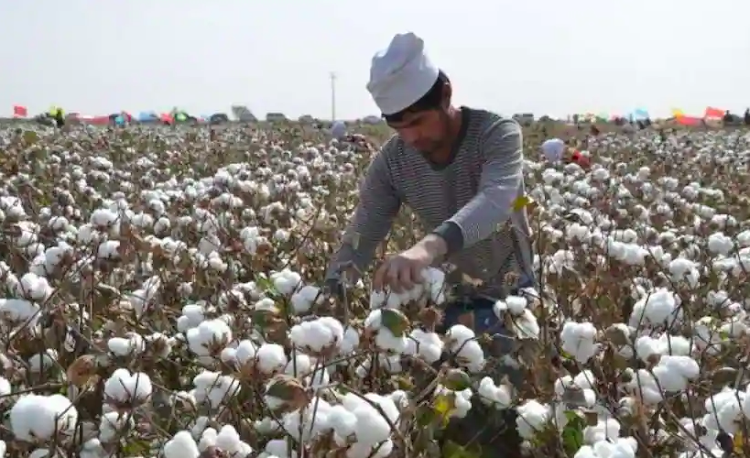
point(430, 101)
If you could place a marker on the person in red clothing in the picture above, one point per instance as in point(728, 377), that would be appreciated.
point(556, 150)
point(582, 160)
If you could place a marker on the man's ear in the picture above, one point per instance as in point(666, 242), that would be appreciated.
point(447, 95)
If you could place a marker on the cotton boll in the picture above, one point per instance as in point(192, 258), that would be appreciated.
point(582, 382)
point(644, 383)
point(674, 372)
point(318, 335)
point(516, 305)
point(214, 388)
point(425, 345)
point(208, 336)
point(658, 307)
point(271, 358)
point(38, 418)
point(19, 311)
point(303, 300)
point(499, 396)
point(124, 388)
point(718, 243)
point(607, 429)
point(181, 445)
point(226, 440)
point(532, 418)
point(113, 424)
point(461, 341)
point(578, 340)
point(286, 281)
point(34, 287)
point(385, 339)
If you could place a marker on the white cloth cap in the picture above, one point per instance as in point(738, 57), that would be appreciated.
point(402, 74)
point(553, 149)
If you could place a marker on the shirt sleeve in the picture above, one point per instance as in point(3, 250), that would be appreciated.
point(499, 185)
point(373, 217)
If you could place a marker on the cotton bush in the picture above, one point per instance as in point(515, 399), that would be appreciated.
point(162, 294)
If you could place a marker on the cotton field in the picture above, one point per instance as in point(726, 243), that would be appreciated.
point(161, 295)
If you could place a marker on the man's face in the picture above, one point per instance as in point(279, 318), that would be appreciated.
point(425, 131)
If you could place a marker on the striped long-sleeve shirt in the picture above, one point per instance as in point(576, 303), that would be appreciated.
point(467, 202)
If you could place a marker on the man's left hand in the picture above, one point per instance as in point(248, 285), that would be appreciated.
point(402, 271)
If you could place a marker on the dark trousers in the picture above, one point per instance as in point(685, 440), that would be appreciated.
point(484, 428)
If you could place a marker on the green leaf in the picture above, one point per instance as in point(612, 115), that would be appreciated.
point(30, 136)
point(395, 321)
point(572, 435)
point(453, 450)
point(457, 380)
point(265, 284)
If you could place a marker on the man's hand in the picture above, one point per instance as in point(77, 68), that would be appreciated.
point(402, 271)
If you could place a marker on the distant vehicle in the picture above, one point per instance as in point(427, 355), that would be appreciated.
point(525, 119)
point(276, 117)
point(306, 119)
point(243, 114)
point(218, 118)
point(372, 120)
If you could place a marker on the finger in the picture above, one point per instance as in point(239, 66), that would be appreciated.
point(392, 276)
point(379, 280)
point(416, 273)
point(405, 277)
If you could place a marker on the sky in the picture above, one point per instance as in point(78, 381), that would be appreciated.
point(540, 56)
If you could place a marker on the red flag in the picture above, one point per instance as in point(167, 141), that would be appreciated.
point(689, 121)
point(19, 111)
point(712, 112)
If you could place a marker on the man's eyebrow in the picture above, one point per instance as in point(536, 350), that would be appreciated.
point(409, 123)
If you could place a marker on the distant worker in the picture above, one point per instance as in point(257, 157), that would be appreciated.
point(58, 115)
point(338, 130)
point(557, 151)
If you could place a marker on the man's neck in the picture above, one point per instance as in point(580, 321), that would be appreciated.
point(443, 155)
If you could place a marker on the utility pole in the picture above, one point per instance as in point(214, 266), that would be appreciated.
point(333, 96)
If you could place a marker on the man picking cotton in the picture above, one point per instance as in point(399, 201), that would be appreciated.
point(459, 169)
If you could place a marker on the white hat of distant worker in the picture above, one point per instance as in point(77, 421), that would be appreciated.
point(553, 149)
point(402, 74)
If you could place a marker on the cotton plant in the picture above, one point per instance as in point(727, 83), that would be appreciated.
point(523, 321)
point(189, 255)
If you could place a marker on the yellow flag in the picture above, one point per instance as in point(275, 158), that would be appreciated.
point(677, 113)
